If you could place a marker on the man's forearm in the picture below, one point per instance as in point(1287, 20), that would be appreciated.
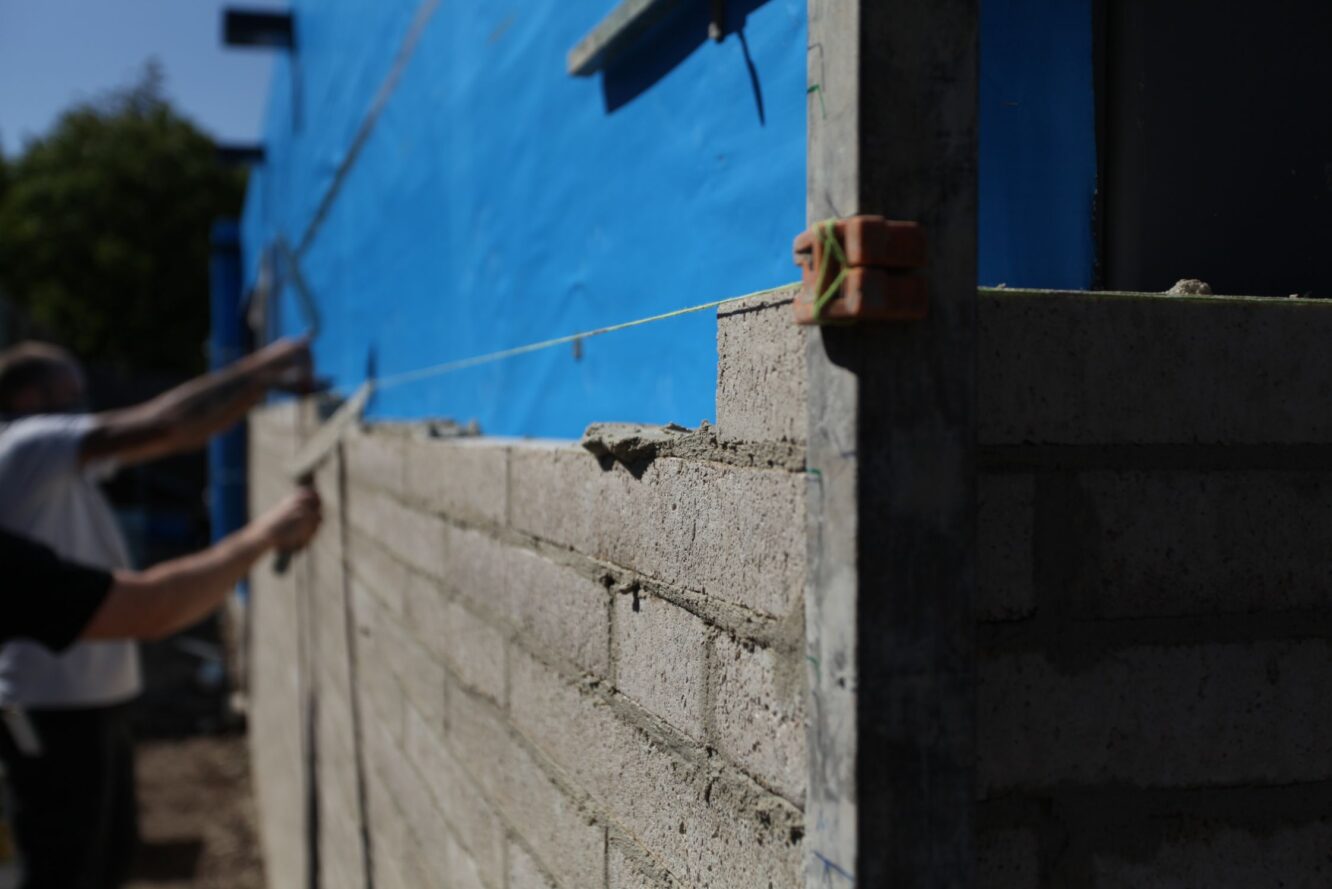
point(186, 417)
point(168, 597)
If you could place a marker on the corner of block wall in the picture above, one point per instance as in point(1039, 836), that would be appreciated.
point(761, 370)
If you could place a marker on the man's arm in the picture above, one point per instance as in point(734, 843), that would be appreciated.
point(168, 597)
point(184, 418)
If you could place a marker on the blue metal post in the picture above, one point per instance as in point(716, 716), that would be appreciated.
point(226, 453)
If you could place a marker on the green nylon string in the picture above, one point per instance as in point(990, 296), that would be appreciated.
point(446, 367)
point(831, 247)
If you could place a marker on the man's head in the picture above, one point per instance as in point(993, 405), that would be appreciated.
point(39, 378)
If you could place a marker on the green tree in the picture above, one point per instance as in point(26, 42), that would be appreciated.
point(104, 228)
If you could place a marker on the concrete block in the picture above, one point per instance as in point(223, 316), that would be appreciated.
point(1008, 858)
point(420, 676)
point(558, 609)
point(1058, 368)
point(737, 534)
point(378, 572)
point(1224, 858)
point(465, 809)
point(625, 869)
point(413, 536)
point(454, 636)
point(1152, 544)
point(760, 371)
point(476, 568)
point(706, 826)
point(758, 713)
point(1005, 524)
point(465, 479)
point(374, 458)
point(1209, 715)
point(524, 872)
point(661, 660)
point(569, 844)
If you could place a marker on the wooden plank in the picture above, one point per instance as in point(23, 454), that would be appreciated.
point(616, 31)
point(892, 455)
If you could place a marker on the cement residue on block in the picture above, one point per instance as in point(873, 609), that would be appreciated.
point(735, 534)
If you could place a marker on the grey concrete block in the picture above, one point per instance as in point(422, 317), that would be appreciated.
point(1146, 544)
point(415, 537)
point(760, 371)
point(626, 869)
point(454, 636)
point(466, 479)
point(737, 534)
point(569, 844)
point(375, 458)
point(1005, 523)
point(758, 713)
point(559, 609)
point(1008, 858)
point(475, 567)
point(469, 815)
point(706, 827)
point(1058, 368)
point(524, 872)
point(1209, 715)
point(1220, 857)
point(661, 660)
point(381, 574)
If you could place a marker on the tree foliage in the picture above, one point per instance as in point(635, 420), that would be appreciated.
point(104, 230)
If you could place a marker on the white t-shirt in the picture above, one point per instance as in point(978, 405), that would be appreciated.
point(47, 496)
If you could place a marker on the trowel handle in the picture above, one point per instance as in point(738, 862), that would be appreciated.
point(282, 561)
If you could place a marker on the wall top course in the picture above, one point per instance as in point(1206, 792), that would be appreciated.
point(1114, 368)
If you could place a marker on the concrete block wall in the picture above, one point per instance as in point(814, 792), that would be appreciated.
point(516, 666)
point(1154, 590)
point(575, 673)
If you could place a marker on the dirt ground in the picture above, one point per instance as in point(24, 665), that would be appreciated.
point(197, 815)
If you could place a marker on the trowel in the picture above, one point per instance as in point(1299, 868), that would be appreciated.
point(315, 451)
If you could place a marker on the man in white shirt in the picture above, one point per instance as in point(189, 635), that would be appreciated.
point(75, 810)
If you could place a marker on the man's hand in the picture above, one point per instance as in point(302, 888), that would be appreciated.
point(286, 364)
point(290, 525)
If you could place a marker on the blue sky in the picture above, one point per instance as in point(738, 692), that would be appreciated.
point(56, 52)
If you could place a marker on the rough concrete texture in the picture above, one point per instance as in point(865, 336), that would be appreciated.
point(454, 636)
point(661, 659)
point(1202, 715)
point(1147, 544)
point(736, 534)
point(1224, 858)
point(463, 477)
point(760, 370)
point(1005, 524)
point(758, 712)
point(559, 609)
point(524, 872)
point(1101, 369)
point(708, 829)
point(1008, 859)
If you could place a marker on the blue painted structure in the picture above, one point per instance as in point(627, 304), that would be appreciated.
point(1038, 144)
point(226, 340)
point(498, 201)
